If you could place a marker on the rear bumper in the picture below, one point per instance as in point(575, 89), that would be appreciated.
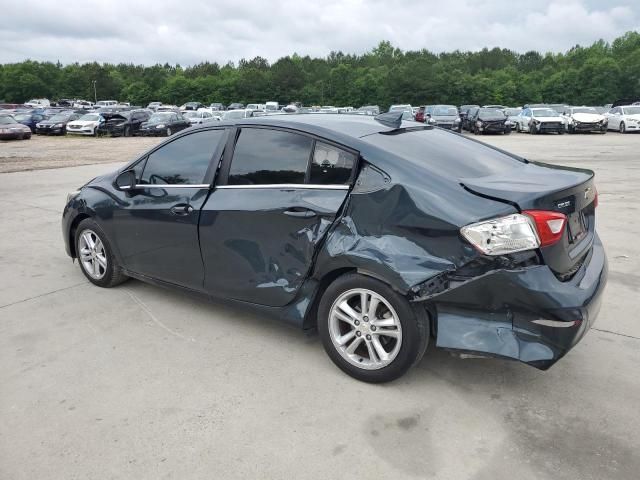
point(525, 314)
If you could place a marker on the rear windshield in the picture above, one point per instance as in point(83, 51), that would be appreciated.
point(444, 153)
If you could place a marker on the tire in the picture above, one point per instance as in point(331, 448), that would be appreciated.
point(532, 130)
point(476, 131)
point(105, 277)
point(561, 132)
point(169, 132)
point(623, 127)
point(507, 132)
point(405, 347)
point(127, 132)
point(518, 129)
point(27, 136)
point(95, 132)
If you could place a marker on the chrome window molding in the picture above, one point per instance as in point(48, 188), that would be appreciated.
point(288, 186)
point(143, 185)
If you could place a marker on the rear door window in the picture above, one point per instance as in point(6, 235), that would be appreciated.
point(265, 157)
point(184, 161)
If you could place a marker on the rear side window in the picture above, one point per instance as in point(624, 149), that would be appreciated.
point(330, 165)
point(445, 154)
point(184, 161)
point(264, 157)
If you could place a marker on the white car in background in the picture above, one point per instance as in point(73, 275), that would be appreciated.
point(585, 119)
point(625, 118)
point(86, 125)
point(106, 103)
point(38, 103)
point(540, 120)
point(196, 118)
point(512, 115)
point(83, 104)
point(402, 108)
point(237, 114)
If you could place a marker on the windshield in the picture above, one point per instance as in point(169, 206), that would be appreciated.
point(21, 117)
point(445, 111)
point(6, 120)
point(490, 113)
point(160, 117)
point(230, 115)
point(60, 117)
point(191, 114)
point(632, 110)
point(584, 110)
point(445, 154)
point(90, 117)
point(544, 112)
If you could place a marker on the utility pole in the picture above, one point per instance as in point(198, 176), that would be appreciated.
point(95, 92)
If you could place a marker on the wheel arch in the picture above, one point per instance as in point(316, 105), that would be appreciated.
point(72, 232)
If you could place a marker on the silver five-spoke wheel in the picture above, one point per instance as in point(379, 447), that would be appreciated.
point(92, 254)
point(365, 329)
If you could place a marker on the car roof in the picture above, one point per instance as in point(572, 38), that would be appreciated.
point(355, 126)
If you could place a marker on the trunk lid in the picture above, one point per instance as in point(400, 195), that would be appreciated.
point(547, 187)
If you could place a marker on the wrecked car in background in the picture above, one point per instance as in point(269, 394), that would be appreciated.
point(123, 124)
point(382, 234)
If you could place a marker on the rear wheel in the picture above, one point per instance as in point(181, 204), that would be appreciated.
point(370, 331)
point(623, 127)
point(95, 255)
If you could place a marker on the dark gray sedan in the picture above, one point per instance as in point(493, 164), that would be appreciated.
point(383, 234)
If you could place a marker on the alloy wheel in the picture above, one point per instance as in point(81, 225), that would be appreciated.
point(623, 127)
point(92, 254)
point(365, 329)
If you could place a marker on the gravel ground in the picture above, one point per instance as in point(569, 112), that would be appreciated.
point(69, 151)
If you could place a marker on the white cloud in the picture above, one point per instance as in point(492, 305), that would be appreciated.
point(189, 32)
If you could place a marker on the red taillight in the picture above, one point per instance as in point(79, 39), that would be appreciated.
point(550, 225)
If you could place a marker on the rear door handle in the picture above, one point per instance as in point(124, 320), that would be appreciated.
point(300, 212)
point(181, 209)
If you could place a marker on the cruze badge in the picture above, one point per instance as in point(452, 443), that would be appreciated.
point(564, 204)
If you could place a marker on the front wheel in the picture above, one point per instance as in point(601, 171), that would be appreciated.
point(623, 127)
point(95, 255)
point(370, 331)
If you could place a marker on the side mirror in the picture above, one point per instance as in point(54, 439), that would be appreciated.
point(126, 180)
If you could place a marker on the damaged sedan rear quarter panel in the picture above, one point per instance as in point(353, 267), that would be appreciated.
point(402, 224)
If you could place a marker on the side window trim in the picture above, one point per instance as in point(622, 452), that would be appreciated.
point(223, 176)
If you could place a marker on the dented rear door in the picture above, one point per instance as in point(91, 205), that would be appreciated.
point(271, 209)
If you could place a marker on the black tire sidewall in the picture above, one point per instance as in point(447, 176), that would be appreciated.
point(110, 275)
point(413, 337)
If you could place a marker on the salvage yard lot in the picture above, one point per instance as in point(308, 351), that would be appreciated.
point(141, 382)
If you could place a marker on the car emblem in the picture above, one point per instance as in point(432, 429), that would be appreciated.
point(586, 193)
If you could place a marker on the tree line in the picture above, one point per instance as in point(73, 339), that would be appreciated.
point(592, 75)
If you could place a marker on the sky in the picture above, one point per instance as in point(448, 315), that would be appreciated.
point(188, 32)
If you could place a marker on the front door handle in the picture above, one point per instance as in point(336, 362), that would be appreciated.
point(300, 212)
point(181, 209)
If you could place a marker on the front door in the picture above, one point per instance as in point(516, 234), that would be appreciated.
point(262, 224)
point(157, 231)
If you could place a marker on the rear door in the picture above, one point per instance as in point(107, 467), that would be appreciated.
point(156, 227)
point(278, 193)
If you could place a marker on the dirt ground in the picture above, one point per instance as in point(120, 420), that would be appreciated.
point(44, 151)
